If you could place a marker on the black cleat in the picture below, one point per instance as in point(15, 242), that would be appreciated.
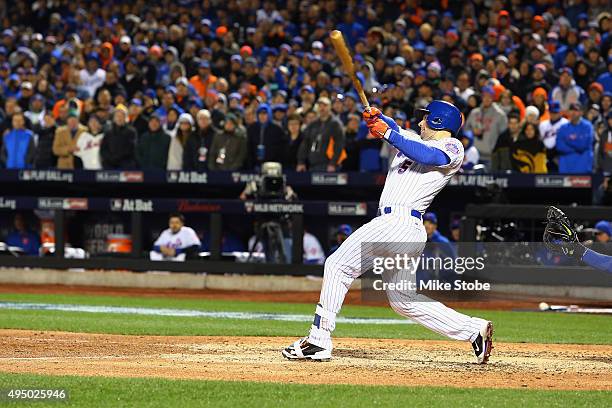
point(303, 350)
point(484, 344)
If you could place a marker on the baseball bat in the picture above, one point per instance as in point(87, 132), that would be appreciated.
point(337, 41)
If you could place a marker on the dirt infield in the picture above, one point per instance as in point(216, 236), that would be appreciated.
point(356, 361)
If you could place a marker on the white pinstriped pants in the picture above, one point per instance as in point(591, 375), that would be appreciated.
point(344, 266)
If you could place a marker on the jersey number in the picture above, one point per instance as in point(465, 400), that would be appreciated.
point(404, 166)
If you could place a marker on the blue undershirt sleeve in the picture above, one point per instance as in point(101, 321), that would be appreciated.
point(597, 260)
point(390, 122)
point(417, 151)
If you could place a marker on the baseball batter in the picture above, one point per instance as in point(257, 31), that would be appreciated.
point(422, 167)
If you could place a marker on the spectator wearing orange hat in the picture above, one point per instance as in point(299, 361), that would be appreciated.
point(106, 54)
point(155, 51)
point(221, 31)
point(503, 20)
point(451, 44)
point(246, 51)
point(538, 23)
point(596, 91)
point(539, 98)
point(476, 64)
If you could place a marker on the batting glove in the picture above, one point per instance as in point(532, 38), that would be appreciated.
point(378, 128)
point(374, 113)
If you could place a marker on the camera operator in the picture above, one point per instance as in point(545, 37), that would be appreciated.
point(270, 185)
point(271, 230)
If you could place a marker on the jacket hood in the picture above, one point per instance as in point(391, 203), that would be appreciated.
point(264, 107)
point(111, 52)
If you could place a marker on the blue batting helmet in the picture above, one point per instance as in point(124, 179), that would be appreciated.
point(442, 115)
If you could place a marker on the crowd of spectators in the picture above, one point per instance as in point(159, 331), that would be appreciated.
point(210, 85)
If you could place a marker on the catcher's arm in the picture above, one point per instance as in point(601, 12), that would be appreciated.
point(559, 236)
point(597, 260)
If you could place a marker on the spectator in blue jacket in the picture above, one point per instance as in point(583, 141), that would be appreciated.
point(18, 149)
point(368, 147)
point(605, 78)
point(575, 143)
point(23, 237)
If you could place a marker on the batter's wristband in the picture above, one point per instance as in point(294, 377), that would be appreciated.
point(390, 122)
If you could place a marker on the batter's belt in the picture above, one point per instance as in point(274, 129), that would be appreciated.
point(397, 210)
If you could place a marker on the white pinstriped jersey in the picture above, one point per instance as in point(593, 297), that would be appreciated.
point(413, 185)
point(549, 130)
point(184, 238)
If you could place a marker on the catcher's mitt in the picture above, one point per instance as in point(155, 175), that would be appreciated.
point(559, 236)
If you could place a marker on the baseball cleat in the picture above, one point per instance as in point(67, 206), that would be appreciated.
point(303, 350)
point(483, 344)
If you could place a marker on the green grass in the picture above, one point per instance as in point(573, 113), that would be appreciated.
point(148, 392)
point(509, 326)
point(193, 304)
